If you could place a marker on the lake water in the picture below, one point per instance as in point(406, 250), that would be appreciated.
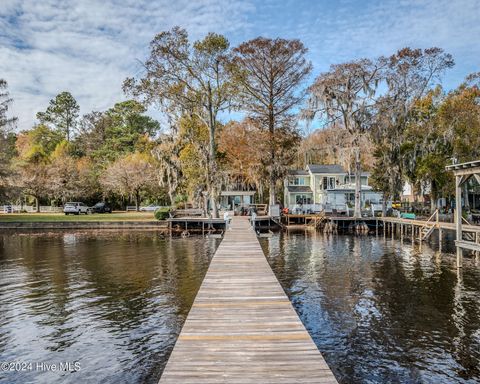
point(380, 311)
point(114, 303)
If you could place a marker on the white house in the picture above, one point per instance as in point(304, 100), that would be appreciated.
point(324, 187)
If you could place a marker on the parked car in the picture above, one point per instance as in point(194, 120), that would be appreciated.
point(102, 208)
point(76, 208)
point(149, 208)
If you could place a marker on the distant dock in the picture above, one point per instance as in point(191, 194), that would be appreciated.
point(242, 327)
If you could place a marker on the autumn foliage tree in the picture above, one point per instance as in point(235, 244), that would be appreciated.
point(408, 75)
point(241, 143)
point(188, 79)
point(334, 145)
point(130, 176)
point(269, 74)
point(346, 95)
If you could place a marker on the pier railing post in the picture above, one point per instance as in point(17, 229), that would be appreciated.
point(458, 218)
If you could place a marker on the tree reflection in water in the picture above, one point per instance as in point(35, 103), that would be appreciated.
point(382, 311)
point(113, 301)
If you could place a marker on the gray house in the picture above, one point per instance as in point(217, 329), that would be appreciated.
point(320, 187)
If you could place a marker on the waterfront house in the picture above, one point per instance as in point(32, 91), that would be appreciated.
point(321, 187)
point(234, 200)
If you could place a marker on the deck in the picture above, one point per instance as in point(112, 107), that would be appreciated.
point(242, 327)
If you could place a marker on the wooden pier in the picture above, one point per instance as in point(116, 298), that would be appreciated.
point(242, 327)
point(195, 224)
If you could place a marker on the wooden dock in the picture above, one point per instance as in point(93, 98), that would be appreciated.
point(242, 327)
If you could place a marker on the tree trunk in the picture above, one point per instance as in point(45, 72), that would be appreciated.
point(358, 184)
point(137, 201)
point(212, 163)
point(384, 206)
point(271, 192)
point(466, 202)
point(170, 190)
point(271, 129)
point(37, 205)
point(205, 204)
point(433, 203)
point(213, 201)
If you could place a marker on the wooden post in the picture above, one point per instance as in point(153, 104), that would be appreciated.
point(440, 239)
point(458, 217)
point(477, 253)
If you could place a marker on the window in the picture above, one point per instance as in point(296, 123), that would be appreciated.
point(329, 182)
point(303, 199)
point(299, 181)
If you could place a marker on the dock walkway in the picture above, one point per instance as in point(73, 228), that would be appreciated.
point(242, 327)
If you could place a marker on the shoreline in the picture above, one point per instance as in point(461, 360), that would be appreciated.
point(84, 225)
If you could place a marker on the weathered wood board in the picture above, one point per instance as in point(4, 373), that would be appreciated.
point(242, 327)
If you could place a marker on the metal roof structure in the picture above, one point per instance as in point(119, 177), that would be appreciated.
point(299, 189)
point(299, 172)
point(465, 169)
point(327, 168)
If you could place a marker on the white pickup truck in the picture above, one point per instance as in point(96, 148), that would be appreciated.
point(76, 208)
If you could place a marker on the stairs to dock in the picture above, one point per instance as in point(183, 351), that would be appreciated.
point(427, 229)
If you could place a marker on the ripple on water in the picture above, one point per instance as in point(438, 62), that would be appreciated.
point(113, 301)
point(381, 311)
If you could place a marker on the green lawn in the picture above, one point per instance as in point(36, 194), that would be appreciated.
point(49, 217)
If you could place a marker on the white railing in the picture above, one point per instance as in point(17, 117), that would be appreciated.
point(317, 208)
point(133, 208)
point(297, 208)
point(48, 208)
point(16, 208)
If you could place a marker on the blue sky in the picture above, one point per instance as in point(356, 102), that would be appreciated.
point(88, 47)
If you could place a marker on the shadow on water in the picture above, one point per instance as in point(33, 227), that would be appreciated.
point(382, 311)
point(115, 302)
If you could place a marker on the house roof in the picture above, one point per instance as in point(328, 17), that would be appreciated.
point(325, 168)
point(363, 174)
point(299, 188)
point(237, 193)
point(300, 172)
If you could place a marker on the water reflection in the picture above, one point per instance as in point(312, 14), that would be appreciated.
point(115, 302)
point(382, 311)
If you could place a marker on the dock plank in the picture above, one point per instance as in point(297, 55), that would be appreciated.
point(242, 327)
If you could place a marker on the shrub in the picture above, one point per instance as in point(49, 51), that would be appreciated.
point(161, 213)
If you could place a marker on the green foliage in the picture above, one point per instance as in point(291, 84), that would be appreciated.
point(62, 114)
point(7, 141)
point(182, 79)
point(38, 144)
point(162, 213)
point(121, 130)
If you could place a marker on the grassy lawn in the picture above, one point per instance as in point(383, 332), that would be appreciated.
point(48, 217)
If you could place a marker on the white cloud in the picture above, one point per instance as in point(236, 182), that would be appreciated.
point(381, 27)
point(90, 47)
